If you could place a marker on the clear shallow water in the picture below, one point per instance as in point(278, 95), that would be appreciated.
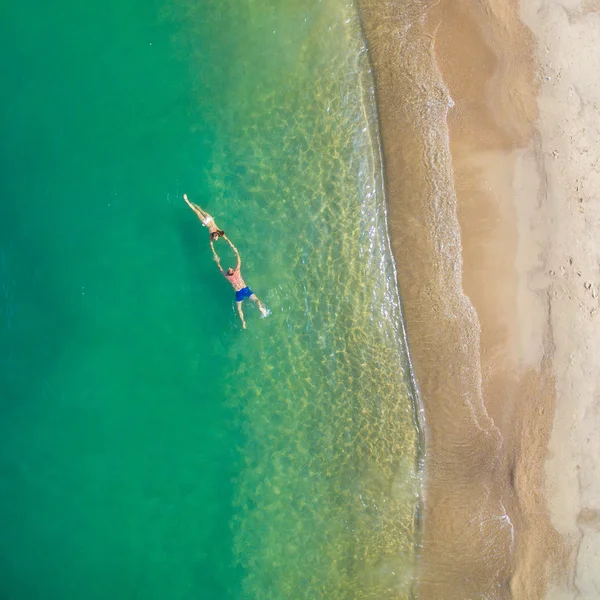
point(150, 447)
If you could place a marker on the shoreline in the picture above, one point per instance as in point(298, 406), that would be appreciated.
point(497, 179)
point(490, 265)
point(464, 509)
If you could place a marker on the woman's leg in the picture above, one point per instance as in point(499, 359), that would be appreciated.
point(195, 208)
point(201, 213)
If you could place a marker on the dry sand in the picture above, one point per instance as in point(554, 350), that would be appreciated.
point(567, 150)
point(490, 117)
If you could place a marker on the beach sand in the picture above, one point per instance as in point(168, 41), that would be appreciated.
point(567, 151)
point(489, 119)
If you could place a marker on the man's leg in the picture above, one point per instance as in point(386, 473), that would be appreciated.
point(261, 307)
point(241, 313)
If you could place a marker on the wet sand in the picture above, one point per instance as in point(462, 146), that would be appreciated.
point(496, 259)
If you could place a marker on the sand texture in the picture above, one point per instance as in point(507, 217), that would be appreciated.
point(568, 157)
point(489, 118)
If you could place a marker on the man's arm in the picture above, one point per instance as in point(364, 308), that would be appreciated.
point(239, 260)
point(217, 259)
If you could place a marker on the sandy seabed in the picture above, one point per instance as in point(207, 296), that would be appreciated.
point(490, 125)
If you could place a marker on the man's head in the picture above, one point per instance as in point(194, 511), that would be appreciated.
point(230, 271)
point(214, 236)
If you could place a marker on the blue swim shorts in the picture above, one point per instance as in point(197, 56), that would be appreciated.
point(243, 293)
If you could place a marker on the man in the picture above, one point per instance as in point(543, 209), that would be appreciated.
point(234, 276)
point(207, 221)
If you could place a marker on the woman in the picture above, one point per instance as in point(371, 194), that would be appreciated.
point(207, 221)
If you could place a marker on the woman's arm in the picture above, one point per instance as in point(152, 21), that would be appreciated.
point(239, 259)
point(217, 259)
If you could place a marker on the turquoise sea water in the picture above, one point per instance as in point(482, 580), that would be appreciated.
point(150, 448)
